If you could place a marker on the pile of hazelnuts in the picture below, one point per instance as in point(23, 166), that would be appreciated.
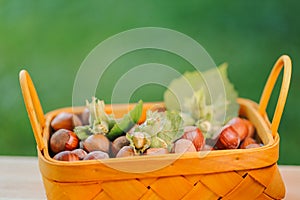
point(64, 145)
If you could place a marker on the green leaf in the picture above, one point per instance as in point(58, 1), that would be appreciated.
point(127, 122)
point(197, 107)
point(193, 86)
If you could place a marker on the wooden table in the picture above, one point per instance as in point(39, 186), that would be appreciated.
point(20, 179)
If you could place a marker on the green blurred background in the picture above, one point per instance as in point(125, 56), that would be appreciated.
point(51, 39)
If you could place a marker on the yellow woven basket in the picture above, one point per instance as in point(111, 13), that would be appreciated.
point(221, 174)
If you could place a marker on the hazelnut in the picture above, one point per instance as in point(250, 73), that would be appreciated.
point(85, 116)
point(183, 145)
point(66, 156)
point(251, 128)
point(97, 142)
point(65, 120)
point(80, 153)
point(239, 125)
point(120, 142)
point(156, 151)
point(228, 139)
point(63, 139)
point(195, 135)
point(96, 155)
point(125, 151)
point(247, 141)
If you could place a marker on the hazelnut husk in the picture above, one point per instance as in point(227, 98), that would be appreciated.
point(63, 139)
point(65, 120)
point(140, 140)
point(66, 156)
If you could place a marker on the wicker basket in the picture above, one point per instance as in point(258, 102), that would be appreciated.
point(223, 174)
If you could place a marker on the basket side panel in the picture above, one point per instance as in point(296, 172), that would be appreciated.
point(173, 187)
point(79, 190)
point(264, 183)
point(200, 191)
point(276, 188)
point(248, 188)
point(126, 189)
point(221, 183)
point(264, 176)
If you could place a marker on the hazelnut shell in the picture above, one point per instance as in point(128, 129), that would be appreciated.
point(66, 156)
point(228, 139)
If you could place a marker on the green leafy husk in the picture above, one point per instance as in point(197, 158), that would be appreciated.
point(162, 127)
point(127, 122)
point(102, 123)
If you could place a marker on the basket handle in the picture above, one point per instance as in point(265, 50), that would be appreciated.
point(284, 62)
point(33, 107)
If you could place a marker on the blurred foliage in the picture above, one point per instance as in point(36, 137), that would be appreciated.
point(52, 38)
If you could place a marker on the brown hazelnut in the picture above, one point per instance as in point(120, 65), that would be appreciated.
point(85, 116)
point(239, 125)
point(63, 139)
point(65, 120)
point(120, 142)
point(195, 135)
point(247, 141)
point(156, 151)
point(228, 139)
point(80, 153)
point(66, 156)
point(183, 145)
point(125, 151)
point(251, 128)
point(97, 142)
point(96, 155)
